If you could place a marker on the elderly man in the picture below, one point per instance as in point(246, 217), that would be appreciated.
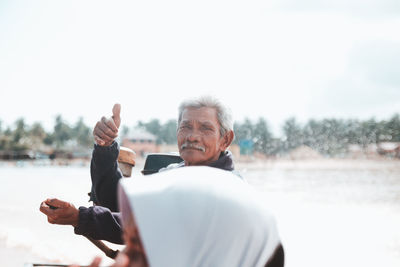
point(205, 131)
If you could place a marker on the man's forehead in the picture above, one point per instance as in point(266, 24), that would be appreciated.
point(203, 114)
point(199, 121)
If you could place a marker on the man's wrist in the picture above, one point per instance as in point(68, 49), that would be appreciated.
point(109, 147)
point(75, 218)
point(82, 220)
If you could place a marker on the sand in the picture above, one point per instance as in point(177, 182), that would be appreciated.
point(17, 256)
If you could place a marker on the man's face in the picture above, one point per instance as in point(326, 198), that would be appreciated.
point(199, 139)
point(134, 251)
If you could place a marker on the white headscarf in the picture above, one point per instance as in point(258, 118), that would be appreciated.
point(200, 216)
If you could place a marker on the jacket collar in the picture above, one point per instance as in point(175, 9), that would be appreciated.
point(224, 162)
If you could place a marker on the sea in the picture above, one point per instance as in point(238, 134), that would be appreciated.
point(329, 212)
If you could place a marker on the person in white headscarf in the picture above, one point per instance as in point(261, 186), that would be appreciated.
point(196, 216)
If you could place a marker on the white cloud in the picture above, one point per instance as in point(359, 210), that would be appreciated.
point(372, 9)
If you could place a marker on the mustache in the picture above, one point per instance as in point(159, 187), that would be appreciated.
point(189, 145)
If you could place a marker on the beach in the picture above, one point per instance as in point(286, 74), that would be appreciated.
point(330, 212)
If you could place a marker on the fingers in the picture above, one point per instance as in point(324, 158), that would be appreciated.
point(54, 202)
point(44, 208)
point(109, 125)
point(50, 213)
point(121, 261)
point(49, 206)
point(116, 114)
point(96, 262)
point(99, 141)
point(105, 131)
point(60, 212)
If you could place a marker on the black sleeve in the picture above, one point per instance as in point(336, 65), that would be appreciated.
point(100, 223)
point(105, 175)
point(278, 258)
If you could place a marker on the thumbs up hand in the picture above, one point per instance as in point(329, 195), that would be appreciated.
point(106, 130)
point(116, 115)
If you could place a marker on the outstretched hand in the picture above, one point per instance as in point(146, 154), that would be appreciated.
point(106, 130)
point(60, 212)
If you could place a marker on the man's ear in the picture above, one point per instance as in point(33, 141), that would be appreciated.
point(227, 140)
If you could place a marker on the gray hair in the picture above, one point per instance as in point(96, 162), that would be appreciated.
point(224, 114)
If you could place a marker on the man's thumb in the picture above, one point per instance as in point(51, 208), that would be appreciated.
point(116, 114)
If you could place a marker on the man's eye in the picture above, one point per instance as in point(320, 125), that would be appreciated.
point(206, 128)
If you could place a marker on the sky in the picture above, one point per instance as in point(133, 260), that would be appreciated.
point(273, 59)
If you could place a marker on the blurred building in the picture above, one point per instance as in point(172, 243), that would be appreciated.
point(140, 141)
point(246, 146)
point(391, 149)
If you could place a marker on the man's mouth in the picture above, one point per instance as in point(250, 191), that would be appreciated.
point(192, 146)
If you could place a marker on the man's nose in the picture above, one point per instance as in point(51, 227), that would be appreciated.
point(193, 136)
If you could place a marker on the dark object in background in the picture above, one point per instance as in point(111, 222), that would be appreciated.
point(156, 161)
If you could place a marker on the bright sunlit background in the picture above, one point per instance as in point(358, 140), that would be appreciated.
point(272, 59)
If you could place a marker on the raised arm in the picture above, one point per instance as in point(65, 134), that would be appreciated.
point(104, 170)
